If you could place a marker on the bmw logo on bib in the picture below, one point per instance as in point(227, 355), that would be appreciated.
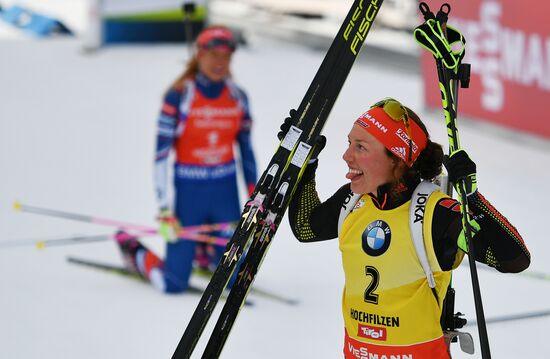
point(376, 238)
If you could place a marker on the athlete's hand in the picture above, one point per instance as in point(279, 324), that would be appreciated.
point(461, 168)
point(320, 143)
point(286, 124)
point(169, 226)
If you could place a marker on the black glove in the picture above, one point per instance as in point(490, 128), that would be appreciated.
point(309, 172)
point(320, 143)
point(311, 167)
point(461, 168)
point(287, 123)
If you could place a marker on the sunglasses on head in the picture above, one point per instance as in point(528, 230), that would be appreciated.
point(397, 112)
point(217, 42)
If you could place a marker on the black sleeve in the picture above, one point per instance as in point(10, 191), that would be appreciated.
point(446, 228)
point(497, 243)
point(310, 219)
point(501, 245)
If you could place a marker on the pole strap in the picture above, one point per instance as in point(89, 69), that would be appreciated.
point(442, 41)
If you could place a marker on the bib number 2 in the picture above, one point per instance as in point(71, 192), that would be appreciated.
point(374, 279)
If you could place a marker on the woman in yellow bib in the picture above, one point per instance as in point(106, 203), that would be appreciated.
point(392, 300)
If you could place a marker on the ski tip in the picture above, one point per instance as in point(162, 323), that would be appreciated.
point(17, 205)
point(40, 245)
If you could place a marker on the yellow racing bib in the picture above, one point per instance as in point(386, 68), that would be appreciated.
point(387, 301)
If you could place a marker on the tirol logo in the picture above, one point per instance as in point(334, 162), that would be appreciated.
point(375, 333)
point(376, 238)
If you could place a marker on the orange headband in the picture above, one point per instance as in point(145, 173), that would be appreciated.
point(393, 134)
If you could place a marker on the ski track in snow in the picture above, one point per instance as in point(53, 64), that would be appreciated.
point(77, 134)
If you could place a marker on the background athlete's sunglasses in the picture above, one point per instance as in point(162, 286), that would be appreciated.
point(218, 42)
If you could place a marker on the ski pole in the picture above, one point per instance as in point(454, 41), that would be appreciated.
point(438, 38)
point(188, 9)
point(18, 206)
point(43, 243)
point(81, 239)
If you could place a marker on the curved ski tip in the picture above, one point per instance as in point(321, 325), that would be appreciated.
point(17, 205)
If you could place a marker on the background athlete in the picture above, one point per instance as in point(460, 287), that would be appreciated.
point(204, 115)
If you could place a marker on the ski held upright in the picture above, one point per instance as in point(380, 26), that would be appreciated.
point(278, 182)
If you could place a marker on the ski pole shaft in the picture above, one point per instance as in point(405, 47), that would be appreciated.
point(199, 237)
point(42, 243)
point(18, 206)
point(448, 66)
point(71, 240)
point(449, 93)
point(82, 239)
point(188, 9)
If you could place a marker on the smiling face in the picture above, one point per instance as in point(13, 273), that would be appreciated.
point(368, 161)
point(214, 63)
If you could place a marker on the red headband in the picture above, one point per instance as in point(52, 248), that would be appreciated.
point(393, 134)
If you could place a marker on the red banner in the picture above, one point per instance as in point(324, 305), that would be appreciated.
point(508, 47)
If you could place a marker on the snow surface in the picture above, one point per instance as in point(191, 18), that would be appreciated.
point(77, 134)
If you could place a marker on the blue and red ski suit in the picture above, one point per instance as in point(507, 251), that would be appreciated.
point(201, 123)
